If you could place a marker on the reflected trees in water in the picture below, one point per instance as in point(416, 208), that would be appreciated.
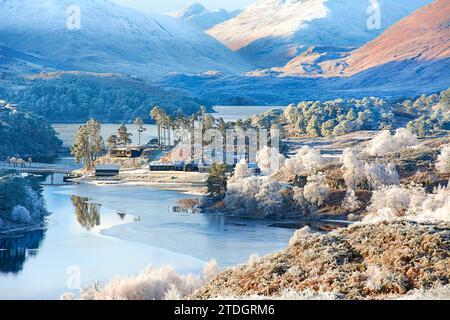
point(87, 213)
point(14, 251)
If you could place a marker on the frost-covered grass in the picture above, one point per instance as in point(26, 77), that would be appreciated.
point(365, 261)
point(151, 284)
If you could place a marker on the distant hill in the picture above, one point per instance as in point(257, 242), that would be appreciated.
point(410, 58)
point(271, 32)
point(202, 18)
point(423, 38)
point(79, 96)
point(112, 38)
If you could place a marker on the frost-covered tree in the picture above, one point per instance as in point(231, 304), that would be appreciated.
point(20, 215)
point(405, 138)
point(269, 197)
point(298, 196)
point(353, 169)
point(396, 198)
point(316, 190)
point(351, 201)
point(306, 161)
point(240, 196)
point(255, 196)
point(151, 284)
point(241, 171)
point(35, 203)
point(412, 202)
point(384, 142)
point(299, 235)
point(88, 144)
point(123, 136)
point(379, 174)
point(443, 160)
point(269, 160)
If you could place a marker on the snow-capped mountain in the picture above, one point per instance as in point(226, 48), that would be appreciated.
point(197, 15)
point(410, 58)
point(110, 38)
point(272, 32)
point(422, 38)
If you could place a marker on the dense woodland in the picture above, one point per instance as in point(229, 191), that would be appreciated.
point(26, 135)
point(69, 98)
point(423, 116)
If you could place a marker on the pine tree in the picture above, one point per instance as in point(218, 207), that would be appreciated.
point(140, 124)
point(124, 137)
point(89, 144)
point(217, 180)
point(112, 142)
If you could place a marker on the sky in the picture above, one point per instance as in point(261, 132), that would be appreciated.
point(165, 6)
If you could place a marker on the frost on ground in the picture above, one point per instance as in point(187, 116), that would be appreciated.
point(151, 284)
point(366, 261)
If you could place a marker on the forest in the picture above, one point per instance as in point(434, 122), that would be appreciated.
point(26, 135)
point(423, 115)
point(69, 98)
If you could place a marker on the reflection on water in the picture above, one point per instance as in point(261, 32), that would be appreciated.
point(88, 213)
point(186, 206)
point(14, 251)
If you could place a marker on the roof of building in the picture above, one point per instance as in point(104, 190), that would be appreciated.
point(107, 167)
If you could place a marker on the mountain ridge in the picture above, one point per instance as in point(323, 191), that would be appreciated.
point(112, 38)
point(199, 16)
point(272, 32)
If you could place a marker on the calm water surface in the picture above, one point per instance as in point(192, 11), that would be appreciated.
point(112, 230)
point(103, 231)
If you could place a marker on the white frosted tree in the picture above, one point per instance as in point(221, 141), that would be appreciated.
point(269, 160)
point(268, 197)
point(412, 203)
point(378, 174)
point(385, 143)
point(405, 138)
point(240, 172)
point(443, 160)
point(353, 169)
point(306, 161)
point(351, 201)
point(299, 235)
point(298, 196)
point(381, 144)
point(316, 190)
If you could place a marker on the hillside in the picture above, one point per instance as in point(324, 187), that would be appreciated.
point(272, 32)
point(26, 135)
point(78, 96)
point(378, 261)
point(111, 38)
point(422, 37)
point(409, 59)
